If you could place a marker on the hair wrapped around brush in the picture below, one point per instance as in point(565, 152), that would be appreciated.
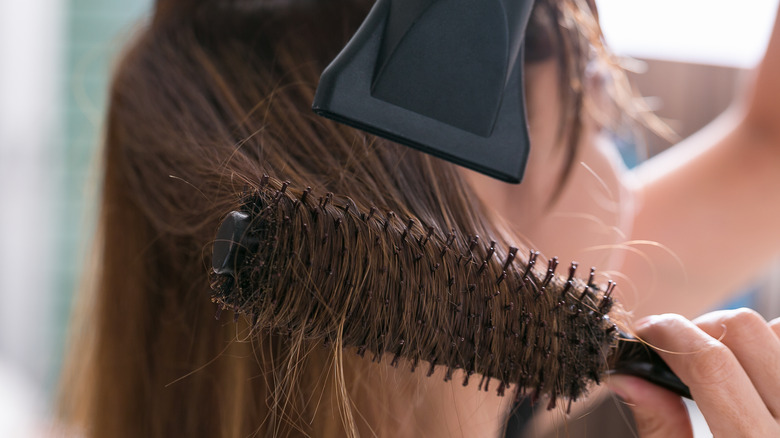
point(325, 269)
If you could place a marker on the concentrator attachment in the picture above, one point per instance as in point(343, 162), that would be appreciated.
point(441, 76)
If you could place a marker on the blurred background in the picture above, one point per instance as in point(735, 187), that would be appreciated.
point(55, 60)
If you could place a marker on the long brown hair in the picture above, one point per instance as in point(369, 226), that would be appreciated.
point(206, 100)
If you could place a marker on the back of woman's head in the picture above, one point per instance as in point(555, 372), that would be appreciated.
point(209, 98)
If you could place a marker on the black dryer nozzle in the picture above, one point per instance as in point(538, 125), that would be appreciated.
point(441, 76)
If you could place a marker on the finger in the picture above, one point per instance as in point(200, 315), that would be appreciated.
point(658, 413)
point(755, 345)
point(721, 388)
point(775, 326)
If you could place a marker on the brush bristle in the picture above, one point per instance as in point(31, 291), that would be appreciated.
point(330, 269)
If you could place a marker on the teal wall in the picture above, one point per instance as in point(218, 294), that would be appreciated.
point(96, 31)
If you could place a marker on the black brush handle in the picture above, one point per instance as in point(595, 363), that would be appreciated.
point(635, 358)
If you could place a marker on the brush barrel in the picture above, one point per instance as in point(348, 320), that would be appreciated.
point(330, 271)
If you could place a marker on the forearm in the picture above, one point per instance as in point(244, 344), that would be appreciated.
point(762, 103)
point(714, 202)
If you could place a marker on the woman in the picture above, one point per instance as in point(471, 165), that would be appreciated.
point(212, 96)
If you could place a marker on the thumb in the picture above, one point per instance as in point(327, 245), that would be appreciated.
point(658, 413)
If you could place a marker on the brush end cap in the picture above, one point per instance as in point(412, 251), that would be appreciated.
point(228, 242)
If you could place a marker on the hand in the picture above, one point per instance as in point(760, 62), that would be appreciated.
point(731, 362)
